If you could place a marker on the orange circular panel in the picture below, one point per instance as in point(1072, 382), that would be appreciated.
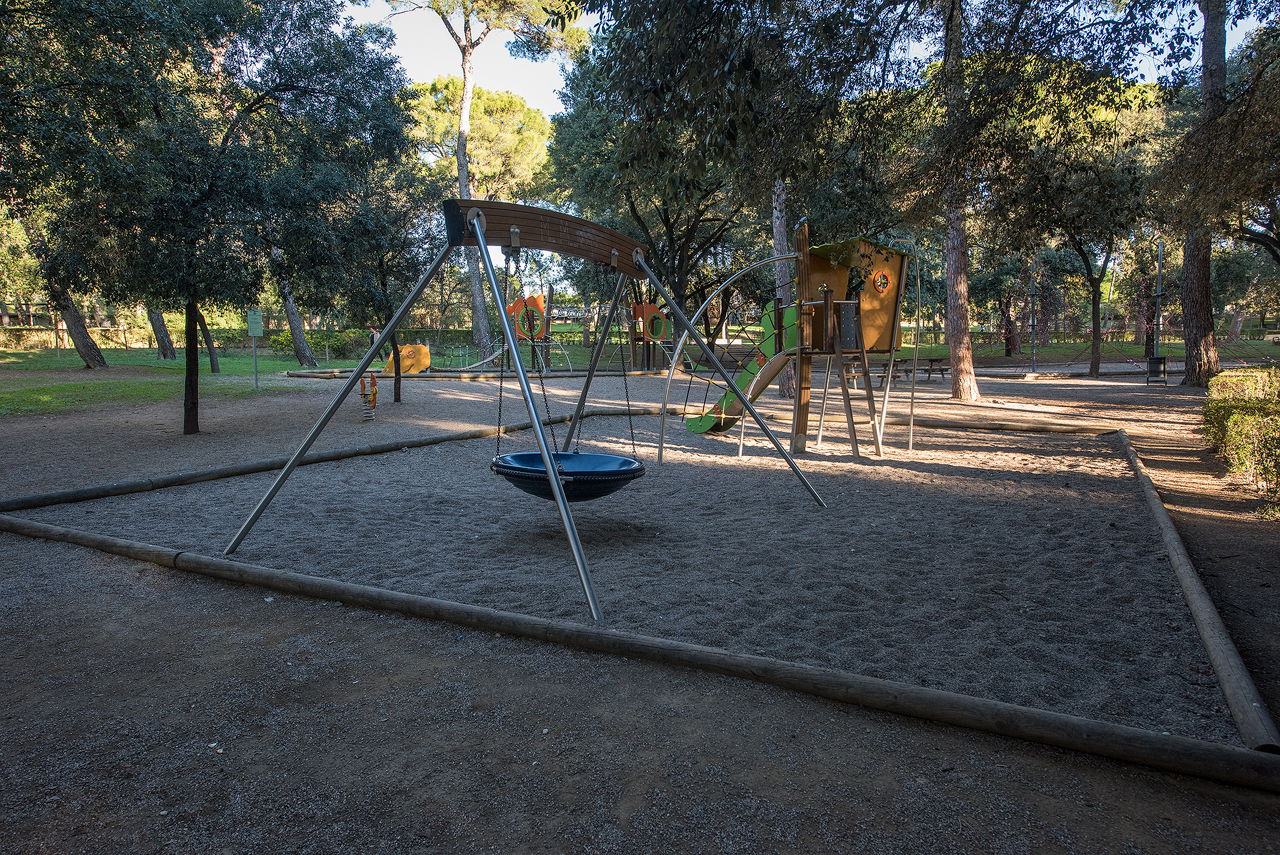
point(529, 316)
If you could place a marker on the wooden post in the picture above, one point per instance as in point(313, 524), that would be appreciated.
point(804, 356)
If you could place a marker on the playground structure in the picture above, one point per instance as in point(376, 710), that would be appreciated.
point(937, 706)
point(414, 359)
point(833, 315)
point(368, 396)
point(517, 227)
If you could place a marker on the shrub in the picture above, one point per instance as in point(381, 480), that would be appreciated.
point(281, 343)
point(437, 338)
point(1251, 444)
point(1242, 421)
point(1246, 383)
point(343, 344)
point(25, 338)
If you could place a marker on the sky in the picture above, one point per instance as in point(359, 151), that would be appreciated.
point(427, 51)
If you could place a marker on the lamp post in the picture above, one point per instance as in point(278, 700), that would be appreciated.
point(1035, 333)
point(1157, 370)
point(1155, 344)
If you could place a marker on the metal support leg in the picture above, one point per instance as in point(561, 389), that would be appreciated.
point(822, 414)
point(884, 399)
point(871, 397)
point(678, 316)
point(382, 339)
point(476, 220)
point(595, 361)
point(915, 361)
point(848, 408)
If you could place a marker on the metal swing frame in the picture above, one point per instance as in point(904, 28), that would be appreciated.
point(467, 222)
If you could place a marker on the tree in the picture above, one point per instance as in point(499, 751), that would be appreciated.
point(1233, 158)
point(1077, 177)
point(470, 23)
point(1000, 68)
point(1197, 292)
point(372, 243)
point(76, 80)
point(164, 342)
point(507, 145)
point(682, 222)
point(1221, 174)
point(1245, 280)
point(291, 92)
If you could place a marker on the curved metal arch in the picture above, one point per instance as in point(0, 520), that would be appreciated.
point(684, 338)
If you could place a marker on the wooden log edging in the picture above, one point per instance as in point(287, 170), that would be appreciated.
point(121, 488)
point(1011, 427)
point(961, 424)
point(1222, 763)
point(448, 374)
point(1252, 718)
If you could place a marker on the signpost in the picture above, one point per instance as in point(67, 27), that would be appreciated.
point(255, 332)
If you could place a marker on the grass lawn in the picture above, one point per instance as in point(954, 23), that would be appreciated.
point(91, 394)
point(231, 363)
point(54, 381)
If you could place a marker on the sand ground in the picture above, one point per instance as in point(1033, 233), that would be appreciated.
point(154, 711)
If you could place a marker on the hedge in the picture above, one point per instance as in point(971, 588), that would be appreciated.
point(343, 344)
point(1261, 382)
point(1252, 446)
point(1242, 421)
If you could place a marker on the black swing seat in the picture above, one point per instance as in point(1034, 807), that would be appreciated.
point(584, 476)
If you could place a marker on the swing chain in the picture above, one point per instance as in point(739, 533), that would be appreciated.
point(512, 260)
point(626, 391)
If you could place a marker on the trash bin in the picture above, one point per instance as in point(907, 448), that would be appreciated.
point(1157, 370)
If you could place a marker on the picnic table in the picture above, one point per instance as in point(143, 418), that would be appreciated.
point(904, 368)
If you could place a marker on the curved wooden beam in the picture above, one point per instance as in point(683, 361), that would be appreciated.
point(543, 229)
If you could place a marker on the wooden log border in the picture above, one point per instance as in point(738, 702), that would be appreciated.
point(122, 488)
point(446, 374)
point(1247, 707)
point(1222, 763)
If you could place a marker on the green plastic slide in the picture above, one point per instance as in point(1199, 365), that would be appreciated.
point(755, 376)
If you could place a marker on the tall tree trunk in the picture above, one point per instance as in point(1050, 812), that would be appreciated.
point(782, 274)
point(301, 350)
point(1197, 311)
point(1197, 295)
point(481, 335)
point(964, 384)
point(86, 347)
point(191, 389)
point(1009, 325)
point(1236, 331)
point(208, 343)
point(1095, 326)
point(1145, 310)
point(164, 342)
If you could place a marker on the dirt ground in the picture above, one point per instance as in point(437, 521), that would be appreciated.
point(152, 711)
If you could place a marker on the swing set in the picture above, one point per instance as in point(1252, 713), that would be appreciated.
point(563, 476)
